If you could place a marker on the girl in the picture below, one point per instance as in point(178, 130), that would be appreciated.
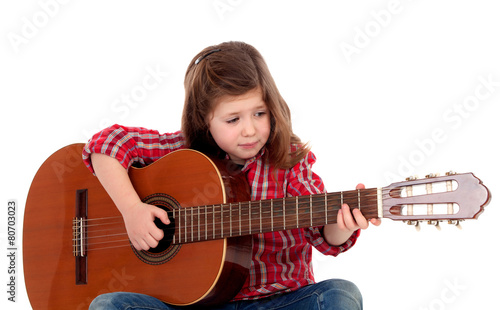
point(234, 110)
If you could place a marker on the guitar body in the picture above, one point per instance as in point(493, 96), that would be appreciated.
point(199, 273)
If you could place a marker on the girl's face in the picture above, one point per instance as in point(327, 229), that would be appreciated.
point(240, 125)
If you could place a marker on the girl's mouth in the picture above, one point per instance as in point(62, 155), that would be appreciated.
point(248, 145)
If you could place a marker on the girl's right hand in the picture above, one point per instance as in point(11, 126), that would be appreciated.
point(141, 229)
point(138, 216)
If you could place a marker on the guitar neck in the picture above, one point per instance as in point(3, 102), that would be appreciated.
point(202, 223)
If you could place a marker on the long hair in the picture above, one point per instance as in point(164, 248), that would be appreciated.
point(234, 68)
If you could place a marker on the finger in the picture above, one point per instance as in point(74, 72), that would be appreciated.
point(360, 219)
point(151, 231)
point(340, 220)
point(151, 242)
point(348, 219)
point(156, 233)
point(376, 221)
point(162, 215)
point(159, 213)
point(360, 186)
point(144, 240)
point(136, 245)
point(140, 245)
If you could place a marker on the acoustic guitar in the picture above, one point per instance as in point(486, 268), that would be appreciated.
point(75, 245)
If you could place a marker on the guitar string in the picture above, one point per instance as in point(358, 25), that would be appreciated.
point(244, 226)
point(106, 218)
point(226, 220)
point(112, 244)
point(317, 197)
point(226, 215)
point(93, 245)
point(316, 201)
point(241, 227)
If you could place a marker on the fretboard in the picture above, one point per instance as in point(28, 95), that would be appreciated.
point(202, 223)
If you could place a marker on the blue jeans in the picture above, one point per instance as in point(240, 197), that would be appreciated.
point(332, 294)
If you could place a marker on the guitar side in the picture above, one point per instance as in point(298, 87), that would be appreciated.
point(197, 273)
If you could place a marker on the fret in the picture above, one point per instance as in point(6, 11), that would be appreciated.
point(272, 215)
point(206, 223)
point(341, 199)
point(359, 200)
point(249, 217)
point(221, 221)
point(180, 226)
point(199, 238)
point(239, 215)
point(230, 220)
point(236, 219)
point(192, 225)
point(213, 221)
point(284, 214)
point(297, 210)
point(173, 215)
point(311, 210)
point(326, 209)
point(185, 225)
point(260, 215)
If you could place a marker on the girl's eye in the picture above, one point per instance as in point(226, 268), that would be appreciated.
point(259, 114)
point(232, 120)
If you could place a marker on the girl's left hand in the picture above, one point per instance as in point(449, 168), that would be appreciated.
point(352, 222)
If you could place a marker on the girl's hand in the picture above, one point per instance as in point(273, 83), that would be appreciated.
point(347, 224)
point(138, 216)
point(141, 229)
point(351, 222)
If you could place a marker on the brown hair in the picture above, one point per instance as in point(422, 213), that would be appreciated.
point(234, 68)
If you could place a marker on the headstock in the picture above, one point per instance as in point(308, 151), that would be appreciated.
point(453, 198)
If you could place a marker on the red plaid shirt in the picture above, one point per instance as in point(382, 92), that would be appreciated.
point(281, 260)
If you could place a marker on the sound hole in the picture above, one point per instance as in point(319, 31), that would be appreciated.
point(165, 250)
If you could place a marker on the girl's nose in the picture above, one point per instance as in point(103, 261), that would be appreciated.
point(248, 129)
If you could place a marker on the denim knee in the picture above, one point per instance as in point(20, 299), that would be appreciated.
point(125, 300)
point(104, 301)
point(340, 294)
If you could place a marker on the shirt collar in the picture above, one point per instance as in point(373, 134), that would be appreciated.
point(251, 161)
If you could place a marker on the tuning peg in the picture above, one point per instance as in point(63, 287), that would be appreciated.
point(432, 175)
point(412, 178)
point(415, 223)
point(451, 173)
point(435, 223)
point(456, 223)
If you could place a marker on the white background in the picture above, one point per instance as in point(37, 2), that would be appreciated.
point(381, 89)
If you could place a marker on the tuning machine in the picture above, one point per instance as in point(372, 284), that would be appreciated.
point(435, 224)
point(456, 223)
point(432, 175)
point(415, 223)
